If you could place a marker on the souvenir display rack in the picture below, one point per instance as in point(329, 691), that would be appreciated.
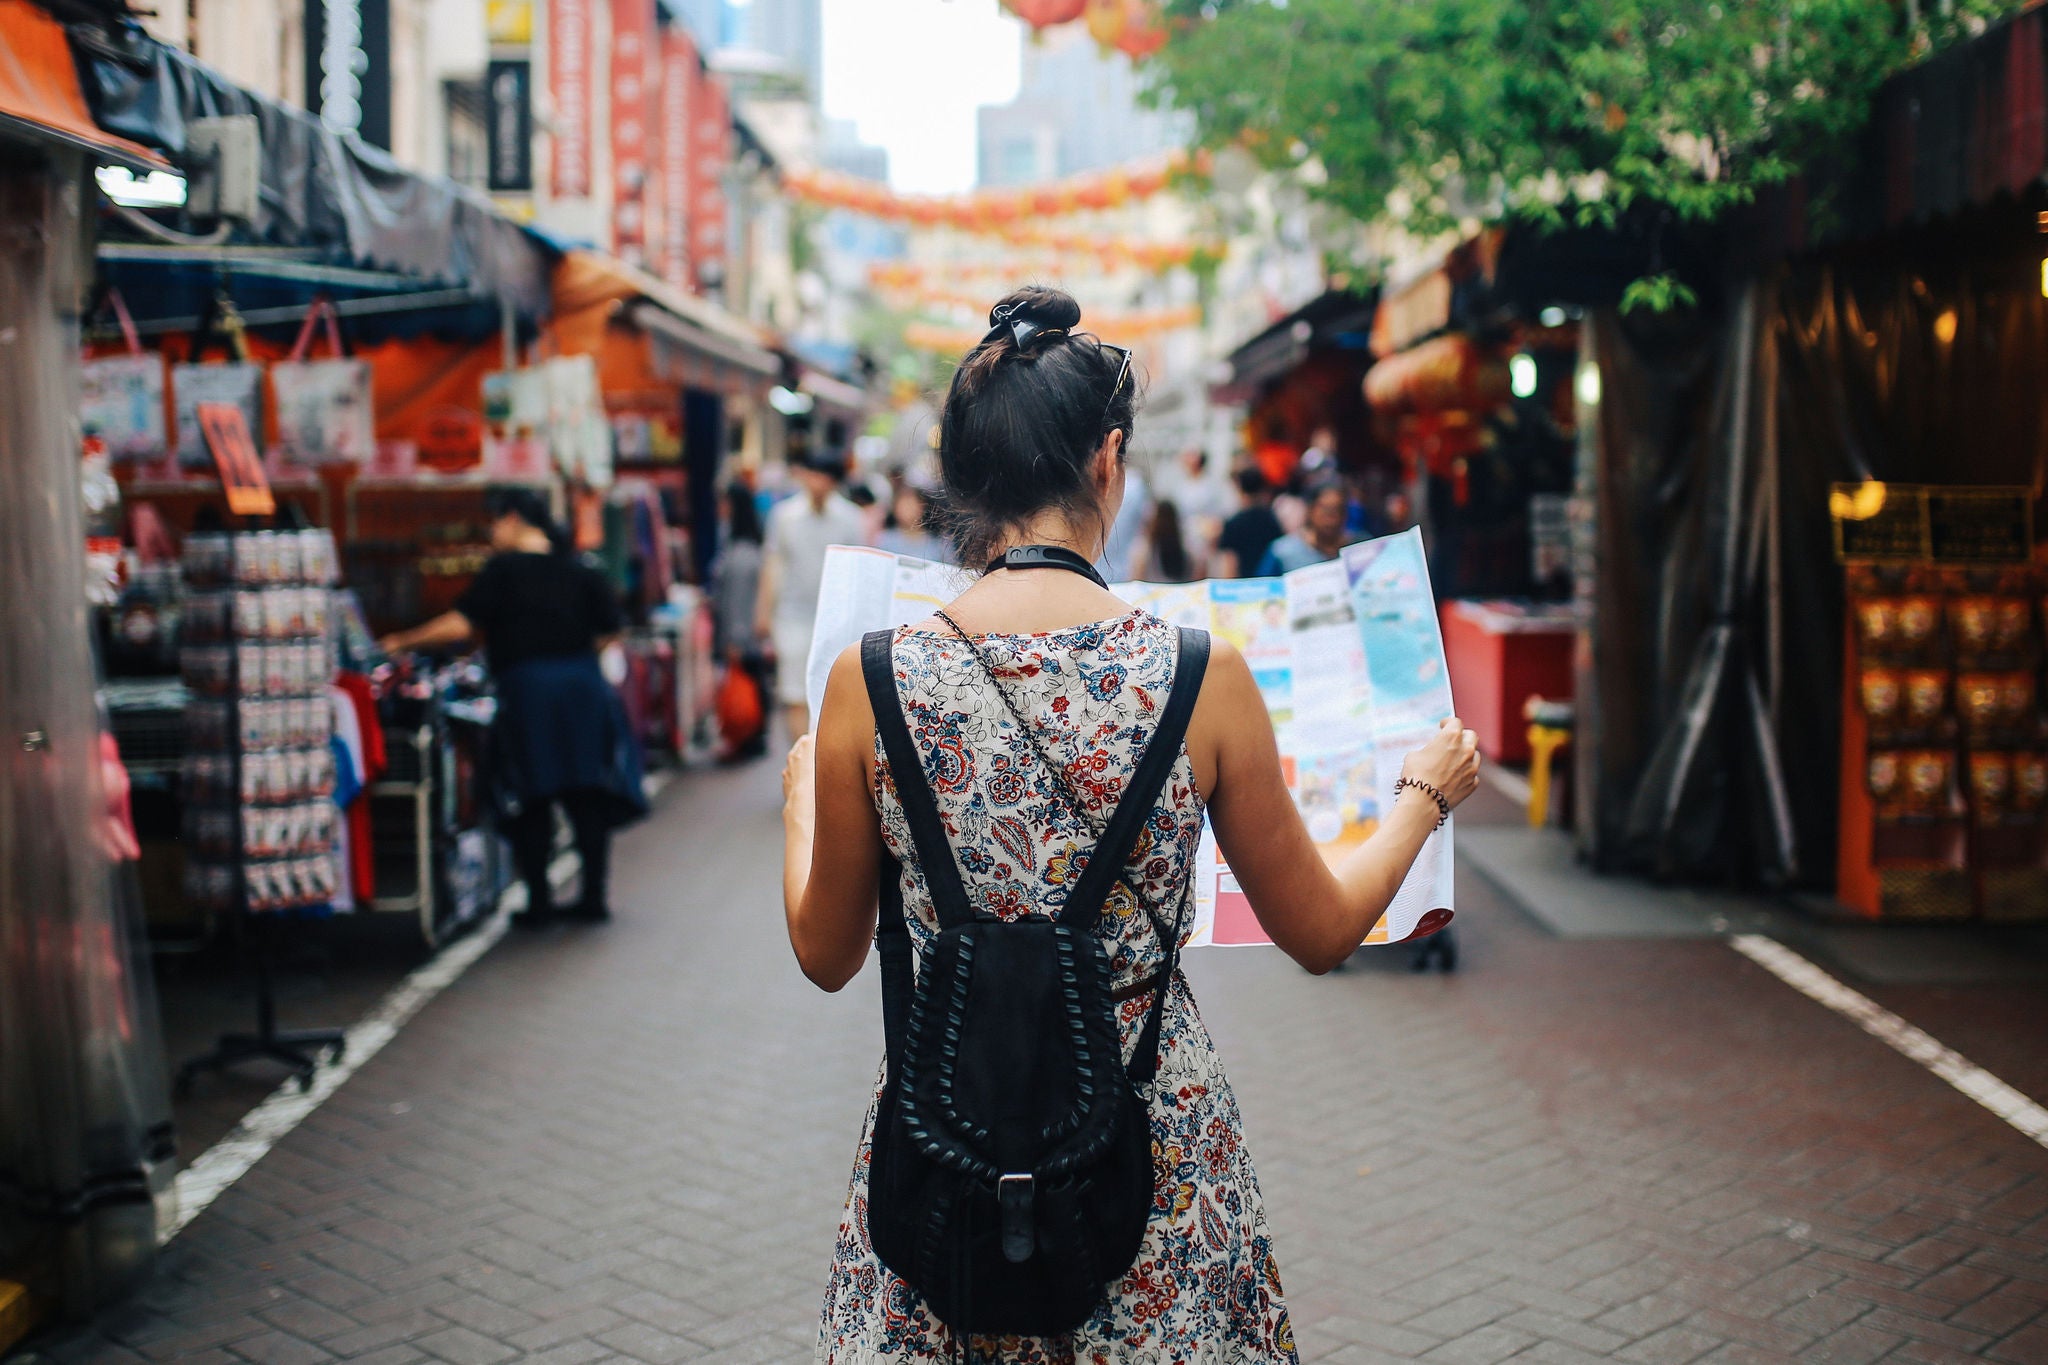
point(1944, 804)
point(258, 769)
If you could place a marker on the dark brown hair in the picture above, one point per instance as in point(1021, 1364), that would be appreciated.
point(1027, 409)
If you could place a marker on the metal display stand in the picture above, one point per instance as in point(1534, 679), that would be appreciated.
point(297, 1049)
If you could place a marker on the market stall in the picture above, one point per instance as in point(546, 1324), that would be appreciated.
point(362, 321)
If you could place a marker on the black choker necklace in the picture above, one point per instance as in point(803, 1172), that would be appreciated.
point(1046, 557)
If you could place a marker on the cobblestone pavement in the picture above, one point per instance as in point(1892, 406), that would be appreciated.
point(631, 1143)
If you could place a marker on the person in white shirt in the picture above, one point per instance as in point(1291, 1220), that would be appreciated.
point(800, 528)
point(1204, 499)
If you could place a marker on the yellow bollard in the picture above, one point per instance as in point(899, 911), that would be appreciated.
point(1544, 741)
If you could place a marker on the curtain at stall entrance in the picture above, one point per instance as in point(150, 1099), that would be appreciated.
point(84, 1115)
point(1680, 759)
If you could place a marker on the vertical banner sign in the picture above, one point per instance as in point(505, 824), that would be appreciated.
point(678, 81)
point(710, 152)
point(569, 92)
point(632, 64)
point(348, 66)
point(508, 114)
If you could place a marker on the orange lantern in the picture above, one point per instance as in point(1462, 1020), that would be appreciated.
point(1133, 27)
point(1106, 20)
point(1144, 36)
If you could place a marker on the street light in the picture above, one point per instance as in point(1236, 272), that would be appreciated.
point(156, 190)
point(1522, 375)
point(1588, 385)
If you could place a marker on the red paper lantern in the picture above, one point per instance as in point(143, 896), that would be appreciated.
point(1046, 13)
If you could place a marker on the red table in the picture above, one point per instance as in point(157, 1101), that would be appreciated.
point(1501, 654)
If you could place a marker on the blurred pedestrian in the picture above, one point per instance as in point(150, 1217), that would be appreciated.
point(560, 736)
point(1322, 533)
point(1318, 459)
point(1167, 558)
point(800, 529)
point(735, 592)
point(1249, 532)
point(1205, 498)
point(1123, 552)
point(909, 529)
point(1013, 723)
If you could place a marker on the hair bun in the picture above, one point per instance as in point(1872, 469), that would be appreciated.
point(1048, 309)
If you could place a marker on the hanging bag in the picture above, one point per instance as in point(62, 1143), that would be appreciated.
point(237, 382)
point(741, 713)
point(121, 397)
point(324, 407)
point(1011, 1177)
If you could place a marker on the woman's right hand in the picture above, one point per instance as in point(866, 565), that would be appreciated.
point(1449, 762)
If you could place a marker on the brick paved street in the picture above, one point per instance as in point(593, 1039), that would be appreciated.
point(631, 1143)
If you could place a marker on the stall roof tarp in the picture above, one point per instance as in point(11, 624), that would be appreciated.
point(320, 188)
point(168, 289)
point(39, 91)
point(1961, 127)
point(1335, 316)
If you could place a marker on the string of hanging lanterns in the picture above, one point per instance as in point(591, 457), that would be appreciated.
point(993, 211)
point(924, 336)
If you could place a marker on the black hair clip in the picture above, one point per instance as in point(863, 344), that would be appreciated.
point(1022, 330)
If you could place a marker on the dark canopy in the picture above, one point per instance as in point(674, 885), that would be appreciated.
point(320, 189)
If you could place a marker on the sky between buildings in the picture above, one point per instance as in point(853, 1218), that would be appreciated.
point(911, 73)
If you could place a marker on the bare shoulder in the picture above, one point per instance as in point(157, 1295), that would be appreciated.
point(1228, 673)
point(846, 671)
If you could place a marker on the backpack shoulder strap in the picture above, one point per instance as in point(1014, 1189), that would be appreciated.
point(1142, 792)
point(906, 769)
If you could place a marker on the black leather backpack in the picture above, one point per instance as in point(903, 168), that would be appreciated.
point(1012, 1154)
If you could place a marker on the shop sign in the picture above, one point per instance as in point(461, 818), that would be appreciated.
point(569, 93)
point(508, 128)
point(710, 152)
point(451, 438)
point(234, 455)
point(632, 59)
point(348, 67)
point(1932, 523)
point(509, 23)
point(678, 84)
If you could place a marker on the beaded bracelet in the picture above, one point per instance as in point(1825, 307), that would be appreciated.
point(1443, 805)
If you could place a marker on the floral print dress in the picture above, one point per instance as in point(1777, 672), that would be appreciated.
point(1205, 1289)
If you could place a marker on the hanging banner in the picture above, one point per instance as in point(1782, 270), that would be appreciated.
point(678, 88)
point(569, 93)
point(508, 126)
point(631, 54)
point(711, 152)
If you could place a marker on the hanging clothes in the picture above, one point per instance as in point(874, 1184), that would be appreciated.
point(346, 743)
point(362, 862)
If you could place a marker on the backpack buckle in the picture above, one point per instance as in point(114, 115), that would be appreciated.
point(1013, 1201)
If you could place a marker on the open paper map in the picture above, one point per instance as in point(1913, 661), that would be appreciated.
point(1347, 655)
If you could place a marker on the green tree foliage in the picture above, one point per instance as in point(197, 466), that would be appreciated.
point(1432, 113)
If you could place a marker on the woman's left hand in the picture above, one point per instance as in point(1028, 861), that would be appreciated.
point(799, 794)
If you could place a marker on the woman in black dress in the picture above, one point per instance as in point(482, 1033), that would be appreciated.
point(561, 736)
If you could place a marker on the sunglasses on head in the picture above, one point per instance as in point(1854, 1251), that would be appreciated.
point(1123, 372)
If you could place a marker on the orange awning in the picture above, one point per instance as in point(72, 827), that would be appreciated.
point(39, 94)
point(606, 309)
